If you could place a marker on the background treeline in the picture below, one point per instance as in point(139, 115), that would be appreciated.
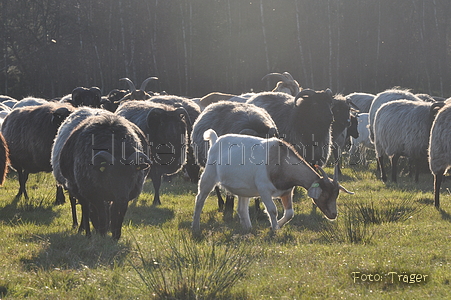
point(48, 47)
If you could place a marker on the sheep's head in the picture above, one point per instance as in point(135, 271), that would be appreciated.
point(324, 193)
point(86, 97)
point(287, 84)
point(135, 94)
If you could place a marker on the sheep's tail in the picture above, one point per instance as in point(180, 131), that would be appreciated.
point(4, 159)
point(210, 135)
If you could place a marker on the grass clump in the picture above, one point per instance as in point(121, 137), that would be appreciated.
point(184, 269)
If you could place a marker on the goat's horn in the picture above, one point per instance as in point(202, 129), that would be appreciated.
point(131, 85)
point(322, 172)
point(336, 171)
point(144, 84)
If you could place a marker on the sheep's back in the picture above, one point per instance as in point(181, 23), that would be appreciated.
point(440, 141)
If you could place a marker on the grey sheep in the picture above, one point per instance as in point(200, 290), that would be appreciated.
point(104, 165)
point(384, 97)
point(361, 100)
point(166, 129)
point(439, 148)
point(401, 128)
point(29, 132)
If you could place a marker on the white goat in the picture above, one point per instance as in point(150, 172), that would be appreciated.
point(250, 166)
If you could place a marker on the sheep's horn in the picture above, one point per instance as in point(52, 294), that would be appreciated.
point(144, 84)
point(288, 76)
point(277, 75)
point(131, 85)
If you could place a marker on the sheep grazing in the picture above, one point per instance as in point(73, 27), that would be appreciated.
point(64, 131)
point(401, 128)
point(384, 97)
point(362, 101)
point(230, 117)
point(29, 132)
point(166, 129)
point(439, 145)
point(82, 96)
point(250, 166)
point(303, 121)
point(193, 111)
point(104, 165)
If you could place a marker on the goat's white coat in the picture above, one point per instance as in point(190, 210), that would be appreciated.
point(242, 165)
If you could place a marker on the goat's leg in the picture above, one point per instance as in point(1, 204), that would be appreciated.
point(287, 202)
point(271, 209)
point(243, 212)
point(206, 184)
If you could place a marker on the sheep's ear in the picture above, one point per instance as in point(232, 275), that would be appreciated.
point(139, 160)
point(154, 115)
point(102, 160)
point(314, 191)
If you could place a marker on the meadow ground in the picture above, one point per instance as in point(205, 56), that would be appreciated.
point(388, 242)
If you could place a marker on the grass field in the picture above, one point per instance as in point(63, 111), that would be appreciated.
point(388, 242)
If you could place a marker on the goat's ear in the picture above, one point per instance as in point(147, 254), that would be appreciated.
point(102, 160)
point(314, 191)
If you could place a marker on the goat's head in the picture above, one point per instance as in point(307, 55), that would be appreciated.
point(324, 193)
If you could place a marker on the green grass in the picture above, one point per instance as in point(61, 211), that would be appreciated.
point(384, 231)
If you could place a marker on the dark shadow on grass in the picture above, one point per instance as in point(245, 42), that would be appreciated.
point(445, 215)
point(148, 215)
point(70, 250)
point(28, 210)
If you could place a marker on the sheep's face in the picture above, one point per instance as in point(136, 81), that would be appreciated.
point(324, 193)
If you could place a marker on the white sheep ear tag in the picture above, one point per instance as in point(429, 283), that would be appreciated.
point(314, 191)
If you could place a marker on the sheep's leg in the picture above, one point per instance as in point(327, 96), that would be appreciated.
point(206, 184)
point(271, 209)
point(156, 181)
point(73, 204)
point(229, 203)
point(60, 199)
point(85, 220)
point(437, 183)
point(380, 163)
point(220, 200)
point(394, 166)
point(118, 210)
point(99, 217)
point(287, 202)
point(417, 170)
point(23, 177)
point(243, 212)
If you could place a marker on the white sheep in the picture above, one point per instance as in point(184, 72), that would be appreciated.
point(250, 166)
point(401, 128)
point(440, 148)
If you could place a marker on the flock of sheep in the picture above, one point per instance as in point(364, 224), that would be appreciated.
point(101, 149)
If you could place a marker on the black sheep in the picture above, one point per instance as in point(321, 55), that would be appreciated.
point(29, 133)
point(105, 165)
